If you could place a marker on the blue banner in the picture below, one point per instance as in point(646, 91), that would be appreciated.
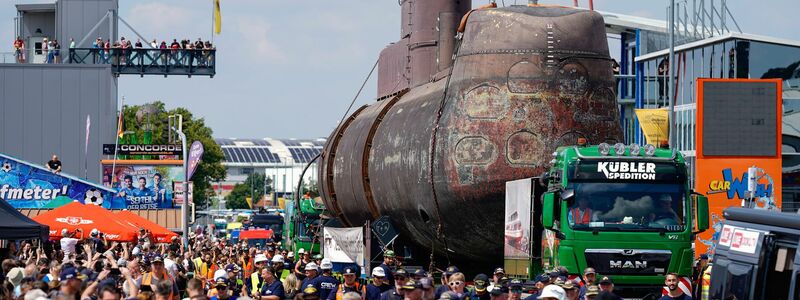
point(143, 186)
point(27, 185)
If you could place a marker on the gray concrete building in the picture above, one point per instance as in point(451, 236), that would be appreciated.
point(45, 106)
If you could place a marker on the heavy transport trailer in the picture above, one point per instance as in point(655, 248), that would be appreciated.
point(634, 216)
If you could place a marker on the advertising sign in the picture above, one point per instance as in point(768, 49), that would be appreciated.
point(126, 149)
point(738, 162)
point(27, 185)
point(517, 219)
point(177, 195)
point(344, 245)
point(143, 186)
point(655, 125)
point(195, 154)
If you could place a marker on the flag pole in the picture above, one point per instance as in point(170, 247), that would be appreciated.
point(116, 141)
point(213, 19)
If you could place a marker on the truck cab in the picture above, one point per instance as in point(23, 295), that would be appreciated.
point(756, 256)
point(627, 211)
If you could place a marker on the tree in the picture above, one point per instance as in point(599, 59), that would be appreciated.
point(153, 117)
point(255, 186)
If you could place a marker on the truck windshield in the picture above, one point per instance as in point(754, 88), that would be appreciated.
point(626, 195)
point(634, 206)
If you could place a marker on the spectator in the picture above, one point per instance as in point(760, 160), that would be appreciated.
point(56, 49)
point(607, 289)
point(72, 56)
point(553, 292)
point(481, 282)
point(457, 282)
point(54, 165)
point(19, 49)
point(589, 278)
point(674, 292)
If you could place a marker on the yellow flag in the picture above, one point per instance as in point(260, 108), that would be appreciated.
point(217, 18)
point(655, 125)
point(249, 202)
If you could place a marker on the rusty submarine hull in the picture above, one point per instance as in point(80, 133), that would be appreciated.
point(467, 100)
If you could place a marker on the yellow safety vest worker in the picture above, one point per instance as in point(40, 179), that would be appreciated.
point(255, 283)
point(706, 285)
point(340, 291)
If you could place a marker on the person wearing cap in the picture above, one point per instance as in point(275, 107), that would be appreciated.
point(70, 283)
point(300, 266)
point(235, 281)
point(157, 274)
point(377, 286)
point(327, 284)
point(97, 240)
point(68, 240)
point(419, 274)
point(445, 277)
point(553, 292)
point(591, 292)
point(400, 278)
point(220, 290)
point(589, 278)
point(412, 290)
point(255, 282)
point(607, 289)
point(499, 291)
point(310, 293)
point(479, 292)
point(388, 266)
point(699, 269)
point(349, 285)
point(514, 289)
point(317, 258)
point(542, 281)
point(572, 290)
point(497, 274)
point(271, 287)
point(311, 276)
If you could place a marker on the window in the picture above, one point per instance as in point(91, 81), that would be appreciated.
point(247, 171)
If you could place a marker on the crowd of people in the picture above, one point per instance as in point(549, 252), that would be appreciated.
point(81, 266)
point(124, 52)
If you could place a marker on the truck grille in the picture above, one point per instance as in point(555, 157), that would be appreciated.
point(628, 261)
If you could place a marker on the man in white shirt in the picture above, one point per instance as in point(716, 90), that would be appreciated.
point(68, 241)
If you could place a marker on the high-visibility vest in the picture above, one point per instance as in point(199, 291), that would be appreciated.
point(254, 283)
point(247, 267)
point(147, 279)
point(706, 285)
point(585, 218)
point(340, 291)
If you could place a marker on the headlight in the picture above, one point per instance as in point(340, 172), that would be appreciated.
point(603, 148)
point(619, 149)
point(649, 150)
point(635, 148)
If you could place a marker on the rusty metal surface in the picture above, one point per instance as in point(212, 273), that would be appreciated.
point(525, 80)
point(326, 174)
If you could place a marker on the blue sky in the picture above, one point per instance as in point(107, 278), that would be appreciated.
point(290, 68)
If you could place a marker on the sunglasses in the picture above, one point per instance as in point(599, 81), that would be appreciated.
point(455, 283)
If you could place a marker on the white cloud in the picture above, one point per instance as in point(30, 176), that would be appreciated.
point(257, 39)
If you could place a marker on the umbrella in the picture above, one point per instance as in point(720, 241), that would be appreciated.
point(86, 217)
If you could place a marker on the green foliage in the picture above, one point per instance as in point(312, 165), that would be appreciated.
point(255, 186)
point(311, 188)
point(210, 168)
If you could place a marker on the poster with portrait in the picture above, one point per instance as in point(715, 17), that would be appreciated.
point(143, 186)
point(517, 219)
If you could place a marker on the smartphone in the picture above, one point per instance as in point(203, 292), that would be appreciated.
point(115, 271)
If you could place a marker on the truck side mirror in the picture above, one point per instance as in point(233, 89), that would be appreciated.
point(548, 204)
point(702, 213)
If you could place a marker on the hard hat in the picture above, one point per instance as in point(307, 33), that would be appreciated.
point(326, 264)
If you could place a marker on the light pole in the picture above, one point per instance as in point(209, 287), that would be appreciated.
point(185, 206)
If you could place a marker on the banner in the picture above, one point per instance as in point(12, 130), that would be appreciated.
point(517, 219)
point(27, 185)
point(128, 149)
point(144, 186)
point(177, 188)
point(655, 125)
point(195, 154)
point(344, 245)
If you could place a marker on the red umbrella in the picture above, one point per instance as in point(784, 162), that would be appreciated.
point(86, 217)
point(160, 234)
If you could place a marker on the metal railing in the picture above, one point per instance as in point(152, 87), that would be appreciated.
point(137, 61)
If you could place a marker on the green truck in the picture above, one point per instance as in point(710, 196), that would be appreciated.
point(627, 211)
point(303, 225)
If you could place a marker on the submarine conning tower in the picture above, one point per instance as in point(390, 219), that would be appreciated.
point(448, 131)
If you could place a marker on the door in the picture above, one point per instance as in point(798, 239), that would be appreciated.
point(37, 54)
